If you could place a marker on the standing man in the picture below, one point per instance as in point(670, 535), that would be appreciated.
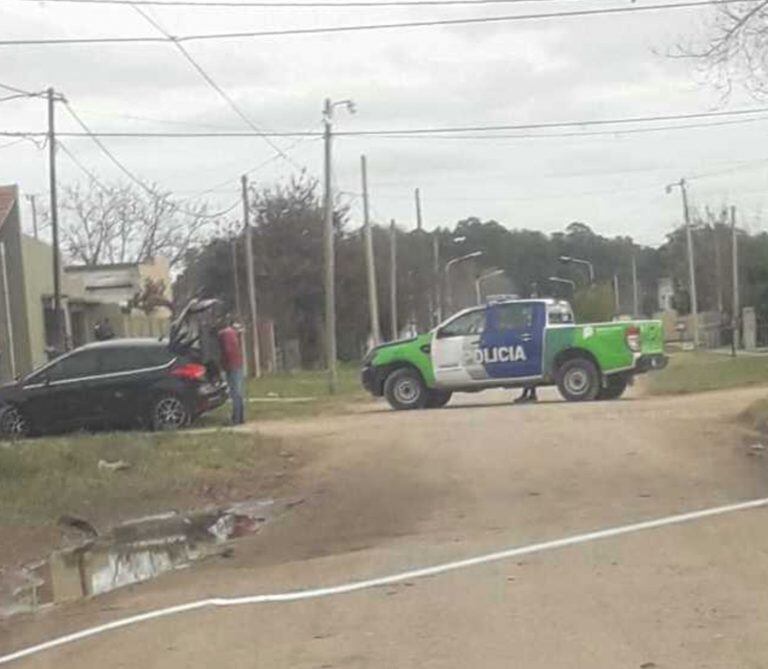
point(232, 364)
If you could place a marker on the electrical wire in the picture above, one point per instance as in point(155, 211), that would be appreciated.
point(151, 192)
point(367, 27)
point(212, 83)
point(230, 4)
point(436, 132)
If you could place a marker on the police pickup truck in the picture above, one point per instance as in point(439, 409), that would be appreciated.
point(514, 343)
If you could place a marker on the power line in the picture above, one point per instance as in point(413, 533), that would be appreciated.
point(212, 83)
point(230, 4)
point(436, 132)
point(367, 27)
point(20, 91)
point(128, 173)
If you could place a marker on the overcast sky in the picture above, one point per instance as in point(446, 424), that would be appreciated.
point(503, 73)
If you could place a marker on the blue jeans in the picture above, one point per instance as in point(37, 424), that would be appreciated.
point(235, 386)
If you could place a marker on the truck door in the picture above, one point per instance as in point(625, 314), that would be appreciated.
point(455, 350)
point(513, 342)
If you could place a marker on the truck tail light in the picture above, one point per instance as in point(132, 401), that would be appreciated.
point(632, 335)
point(192, 371)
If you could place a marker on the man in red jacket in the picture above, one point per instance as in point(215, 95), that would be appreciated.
point(232, 364)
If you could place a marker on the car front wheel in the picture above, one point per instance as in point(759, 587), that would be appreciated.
point(13, 424)
point(169, 412)
point(404, 389)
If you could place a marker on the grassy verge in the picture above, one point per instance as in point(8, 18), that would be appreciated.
point(295, 395)
point(692, 372)
point(40, 479)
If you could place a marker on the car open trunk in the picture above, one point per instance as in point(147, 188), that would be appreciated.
point(193, 333)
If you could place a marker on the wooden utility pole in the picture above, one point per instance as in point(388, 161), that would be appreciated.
point(691, 264)
point(393, 277)
point(437, 277)
point(417, 196)
point(735, 260)
point(330, 261)
point(235, 278)
point(58, 322)
point(373, 299)
point(635, 292)
point(248, 241)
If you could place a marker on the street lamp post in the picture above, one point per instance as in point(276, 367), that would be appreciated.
point(328, 241)
point(451, 263)
point(482, 277)
point(590, 267)
point(568, 282)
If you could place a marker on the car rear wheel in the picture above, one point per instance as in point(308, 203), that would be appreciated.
point(13, 424)
point(404, 389)
point(578, 380)
point(169, 413)
point(616, 385)
point(437, 399)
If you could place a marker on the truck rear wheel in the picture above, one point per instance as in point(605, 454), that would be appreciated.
point(405, 389)
point(615, 387)
point(578, 380)
point(437, 399)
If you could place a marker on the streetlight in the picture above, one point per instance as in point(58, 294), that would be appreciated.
point(482, 277)
point(568, 259)
point(558, 279)
point(328, 241)
point(691, 267)
point(451, 263)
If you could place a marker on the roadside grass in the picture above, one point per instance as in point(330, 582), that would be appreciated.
point(296, 395)
point(41, 479)
point(691, 372)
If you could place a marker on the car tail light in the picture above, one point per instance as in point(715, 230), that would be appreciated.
point(192, 371)
point(632, 335)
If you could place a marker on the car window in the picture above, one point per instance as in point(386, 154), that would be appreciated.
point(123, 359)
point(515, 316)
point(559, 314)
point(76, 365)
point(469, 324)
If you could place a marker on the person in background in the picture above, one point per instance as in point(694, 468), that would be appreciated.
point(103, 330)
point(232, 364)
point(528, 395)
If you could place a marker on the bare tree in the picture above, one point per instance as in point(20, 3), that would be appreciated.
point(121, 223)
point(735, 50)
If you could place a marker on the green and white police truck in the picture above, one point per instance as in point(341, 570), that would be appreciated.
point(514, 343)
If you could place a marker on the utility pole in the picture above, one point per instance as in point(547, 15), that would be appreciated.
point(393, 277)
point(616, 300)
point(33, 203)
point(691, 264)
point(373, 299)
point(235, 278)
point(248, 240)
point(437, 277)
point(330, 295)
point(60, 339)
point(635, 292)
point(718, 263)
point(735, 306)
point(417, 196)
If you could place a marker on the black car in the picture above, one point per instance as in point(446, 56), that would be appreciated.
point(114, 383)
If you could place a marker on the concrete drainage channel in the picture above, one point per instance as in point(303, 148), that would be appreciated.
point(134, 551)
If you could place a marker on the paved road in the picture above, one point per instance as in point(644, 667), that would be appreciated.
point(390, 491)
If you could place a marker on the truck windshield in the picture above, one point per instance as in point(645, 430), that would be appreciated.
point(560, 313)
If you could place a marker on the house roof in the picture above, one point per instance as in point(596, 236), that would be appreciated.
point(8, 196)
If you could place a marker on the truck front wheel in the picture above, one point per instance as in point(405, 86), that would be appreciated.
point(405, 389)
point(578, 380)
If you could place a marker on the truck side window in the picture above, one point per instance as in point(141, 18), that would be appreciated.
point(514, 316)
point(472, 323)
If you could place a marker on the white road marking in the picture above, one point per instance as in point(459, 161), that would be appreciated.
point(386, 580)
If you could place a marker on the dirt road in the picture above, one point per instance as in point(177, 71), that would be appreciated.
point(390, 491)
